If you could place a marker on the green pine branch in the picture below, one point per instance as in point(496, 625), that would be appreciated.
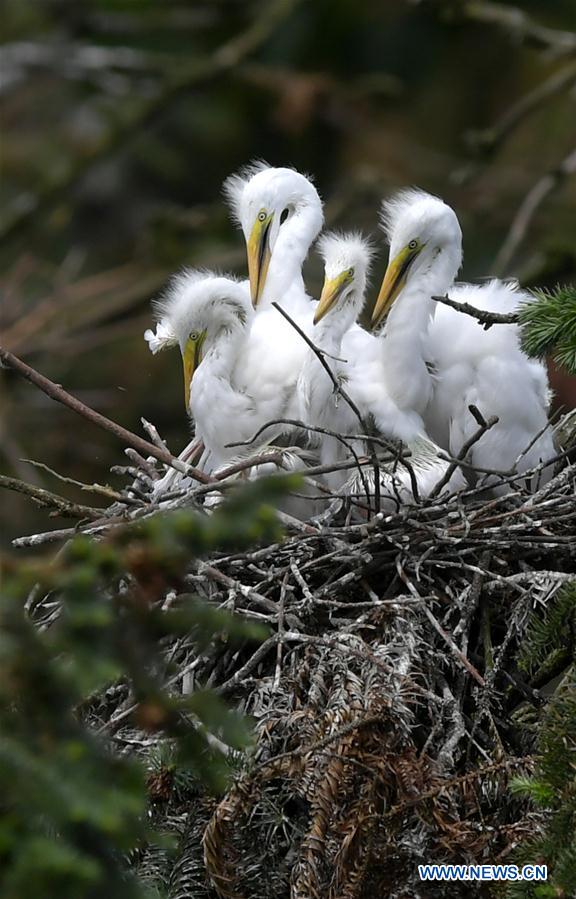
point(548, 325)
point(550, 634)
point(552, 788)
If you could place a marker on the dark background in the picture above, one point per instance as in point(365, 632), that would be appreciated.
point(120, 120)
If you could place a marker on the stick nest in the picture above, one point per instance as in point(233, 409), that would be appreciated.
point(390, 701)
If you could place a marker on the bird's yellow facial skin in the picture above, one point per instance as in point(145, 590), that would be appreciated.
point(259, 254)
point(331, 292)
point(394, 280)
point(191, 359)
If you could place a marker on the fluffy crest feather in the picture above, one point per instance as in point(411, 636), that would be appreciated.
point(196, 299)
point(181, 283)
point(394, 208)
point(234, 185)
point(259, 182)
point(343, 249)
point(415, 214)
point(160, 339)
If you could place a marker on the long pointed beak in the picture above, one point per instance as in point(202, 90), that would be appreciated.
point(259, 254)
point(191, 358)
point(393, 283)
point(331, 293)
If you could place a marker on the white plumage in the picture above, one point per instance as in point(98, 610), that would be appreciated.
point(412, 379)
point(358, 366)
point(280, 214)
point(438, 361)
point(215, 312)
point(346, 265)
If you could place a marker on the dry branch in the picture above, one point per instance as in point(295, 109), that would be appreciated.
point(56, 392)
point(485, 318)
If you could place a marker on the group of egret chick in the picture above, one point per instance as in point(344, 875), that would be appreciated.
point(252, 380)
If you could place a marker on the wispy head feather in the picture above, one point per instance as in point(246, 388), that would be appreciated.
point(197, 299)
point(259, 185)
point(234, 185)
point(346, 249)
point(394, 208)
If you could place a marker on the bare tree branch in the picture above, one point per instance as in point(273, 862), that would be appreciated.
point(50, 500)
point(55, 392)
point(485, 318)
point(512, 21)
point(225, 58)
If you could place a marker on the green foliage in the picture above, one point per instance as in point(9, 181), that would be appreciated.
point(552, 788)
point(71, 811)
point(549, 325)
point(550, 635)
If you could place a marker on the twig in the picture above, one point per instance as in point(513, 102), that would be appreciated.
point(485, 318)
point(153, 434)
point(513, 21)
point(482, 428)
point(55, 392)
point(439, 629)
point(339, 389)
point(280, 643)
point(50, 500)
point(98, 489)
point(151, 474)
point(519, 25)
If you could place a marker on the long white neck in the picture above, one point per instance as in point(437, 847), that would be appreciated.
point(313, 375)
point(284, 283)
point(404, 337)
point(315, 386)
point(329, 332)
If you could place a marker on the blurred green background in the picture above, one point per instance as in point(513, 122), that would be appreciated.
point(121, 119)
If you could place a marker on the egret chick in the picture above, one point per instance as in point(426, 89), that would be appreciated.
point(280, 214)
point(346, 264)
point(357, 364)
point(209, 316)
point(439, 361)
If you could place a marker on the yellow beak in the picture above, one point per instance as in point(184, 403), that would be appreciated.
point(331, 292)
point(259, 254)
point(191, 359)
point(393, 283)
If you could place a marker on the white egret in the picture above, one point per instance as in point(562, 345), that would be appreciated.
point(357, 362)
point(209, 317)
point(439, 361)
point(280, 214)
point(346, 264)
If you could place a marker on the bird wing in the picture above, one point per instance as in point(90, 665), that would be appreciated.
point(489, 370)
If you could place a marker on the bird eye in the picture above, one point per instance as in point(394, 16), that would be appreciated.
point(350, 272)
point(194, 336)
point(284, 215)
point(262, 215)
point(413, 244)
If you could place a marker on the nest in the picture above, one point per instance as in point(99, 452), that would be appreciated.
point(389, 702)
